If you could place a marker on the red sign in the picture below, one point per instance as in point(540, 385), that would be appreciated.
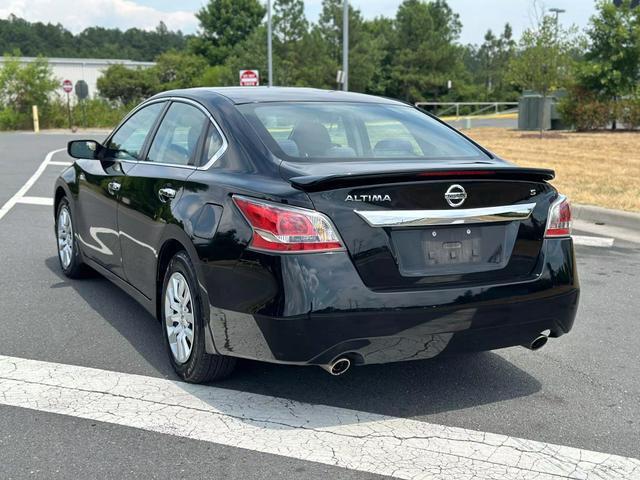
point(67, 86)
point(249, 78)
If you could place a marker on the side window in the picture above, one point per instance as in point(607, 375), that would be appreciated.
point(128, 141)
point(176, 141)
point(212, 143)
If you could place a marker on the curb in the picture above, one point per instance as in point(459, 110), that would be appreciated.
point(606, 216)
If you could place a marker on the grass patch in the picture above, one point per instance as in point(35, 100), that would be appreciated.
point(592, 168)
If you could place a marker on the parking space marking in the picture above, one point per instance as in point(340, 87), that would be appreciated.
point(36, 200)
point(62, 164)
point(397, 447)
point(9, 204)
point(589, 241)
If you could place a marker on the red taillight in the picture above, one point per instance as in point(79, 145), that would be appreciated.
point(559, 221)
point(278, 228)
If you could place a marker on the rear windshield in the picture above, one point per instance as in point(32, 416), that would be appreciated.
point(343, 131)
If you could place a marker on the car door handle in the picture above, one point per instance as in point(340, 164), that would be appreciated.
point(113, 187)
point(166, 194)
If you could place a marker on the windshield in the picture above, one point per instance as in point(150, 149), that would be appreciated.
point(343, 131)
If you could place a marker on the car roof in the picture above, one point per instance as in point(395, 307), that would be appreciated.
point(240, 95)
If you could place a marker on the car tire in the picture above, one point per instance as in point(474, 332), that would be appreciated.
point(183, 326)
point(69, 254)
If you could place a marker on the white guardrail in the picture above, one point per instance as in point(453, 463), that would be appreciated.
point(443, 108)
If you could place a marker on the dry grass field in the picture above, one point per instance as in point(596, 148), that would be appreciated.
point(591, 168)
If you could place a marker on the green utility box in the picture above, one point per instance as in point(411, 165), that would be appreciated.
point(530, 111)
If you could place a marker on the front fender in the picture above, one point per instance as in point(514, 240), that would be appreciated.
point(66, 185)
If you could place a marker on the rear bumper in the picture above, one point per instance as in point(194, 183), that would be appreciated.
point(309, 309)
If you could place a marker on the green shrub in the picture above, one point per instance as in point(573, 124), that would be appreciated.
point(630, 112)
point(585, 111)
point(22, 86)
point(95, 113)
point(12, 120)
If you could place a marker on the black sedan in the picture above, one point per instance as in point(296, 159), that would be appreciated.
point(313, 227)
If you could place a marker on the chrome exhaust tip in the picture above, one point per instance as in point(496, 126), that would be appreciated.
point(338, 367)
point(538, 342)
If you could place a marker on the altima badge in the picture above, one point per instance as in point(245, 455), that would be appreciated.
point(455, 195)
point(367, 198)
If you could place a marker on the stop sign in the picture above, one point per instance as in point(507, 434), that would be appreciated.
point(67, 86)
point(249, 78)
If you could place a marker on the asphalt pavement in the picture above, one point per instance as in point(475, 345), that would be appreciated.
point(582, 390)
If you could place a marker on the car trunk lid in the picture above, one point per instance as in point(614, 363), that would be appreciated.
point(402, 230)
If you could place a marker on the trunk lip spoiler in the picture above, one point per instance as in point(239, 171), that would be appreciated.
point(469, 216)
point(318, 182)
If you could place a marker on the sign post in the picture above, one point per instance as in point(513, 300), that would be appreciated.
point(82, 92)
point(67, 86)
point(249, 78)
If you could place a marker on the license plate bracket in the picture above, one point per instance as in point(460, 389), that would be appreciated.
point(453, 250)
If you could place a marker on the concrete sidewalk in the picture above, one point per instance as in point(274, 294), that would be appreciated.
point(606, 222)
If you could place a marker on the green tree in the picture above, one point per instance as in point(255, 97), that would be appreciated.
point(493, 59)
point(126, 85)
point(367, 45)
point(248, 54)
point(289, 29)
point(212, 76)
point(22, 86)
point(224, 24)
point(425, 55)
point(179, 70)
point(33, 39)
point(544, 62)
point(612, 62)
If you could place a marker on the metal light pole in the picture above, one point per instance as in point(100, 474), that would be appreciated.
point(269, 48)
point(557, 11)
point(345, 45)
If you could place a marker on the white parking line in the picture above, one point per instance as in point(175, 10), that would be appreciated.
point(589, 241)
point(64, 164)
point(367, 442)
point(25, 188)
point(36, 200)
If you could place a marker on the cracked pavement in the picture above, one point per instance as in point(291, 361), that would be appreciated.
point(397, 447)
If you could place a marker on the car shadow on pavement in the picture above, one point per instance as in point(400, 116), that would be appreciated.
point(406, 389)
point(123, 313)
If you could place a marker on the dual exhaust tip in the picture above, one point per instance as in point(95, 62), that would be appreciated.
point(338, 367)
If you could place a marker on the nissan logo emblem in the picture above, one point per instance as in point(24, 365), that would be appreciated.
point(455, 195)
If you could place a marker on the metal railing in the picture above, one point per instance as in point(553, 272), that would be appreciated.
point(474, 108)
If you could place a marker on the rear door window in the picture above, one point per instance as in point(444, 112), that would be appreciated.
point(178, 137)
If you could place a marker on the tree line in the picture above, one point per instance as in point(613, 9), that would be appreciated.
point(48, 40)
point(414, 56)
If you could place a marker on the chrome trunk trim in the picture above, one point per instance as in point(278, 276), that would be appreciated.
point(421, 218)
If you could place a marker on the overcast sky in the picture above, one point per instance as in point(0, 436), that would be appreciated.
point(476, 15)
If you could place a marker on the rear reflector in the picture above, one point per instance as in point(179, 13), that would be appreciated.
point(279, 228)
point(559, 219)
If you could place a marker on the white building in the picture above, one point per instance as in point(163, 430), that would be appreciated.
point(87, 69)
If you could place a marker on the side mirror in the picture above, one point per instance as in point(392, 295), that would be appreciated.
point(84, 149)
